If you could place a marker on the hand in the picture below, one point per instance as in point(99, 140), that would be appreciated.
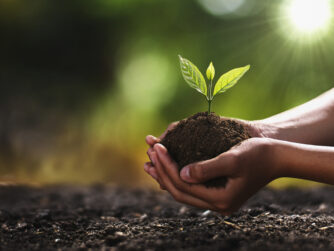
point(255, 129)
point(151, 141)
point(248, 167)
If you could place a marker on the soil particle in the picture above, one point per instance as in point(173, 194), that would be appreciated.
point(201, 137)
point(114, 218)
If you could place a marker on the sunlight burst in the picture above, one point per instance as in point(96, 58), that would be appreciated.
point(308, 16)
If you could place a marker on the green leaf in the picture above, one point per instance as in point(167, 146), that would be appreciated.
point(193, 76)
point(229, 79)
point(210, 72)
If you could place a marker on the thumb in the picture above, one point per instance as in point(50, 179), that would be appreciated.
point(199, 172)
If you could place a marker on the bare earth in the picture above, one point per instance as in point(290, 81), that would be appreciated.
point(114, 218)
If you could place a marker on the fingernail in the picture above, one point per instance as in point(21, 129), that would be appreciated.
point(155, 139)
point(185, 173)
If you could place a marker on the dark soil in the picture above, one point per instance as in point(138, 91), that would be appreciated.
point(113, 218)
point(201, 137)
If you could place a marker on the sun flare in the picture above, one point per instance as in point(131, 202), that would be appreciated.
point(309, 16)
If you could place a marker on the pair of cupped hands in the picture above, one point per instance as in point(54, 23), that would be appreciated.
point(248, 167)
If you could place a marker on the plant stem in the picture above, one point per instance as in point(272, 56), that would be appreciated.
point(210, 98)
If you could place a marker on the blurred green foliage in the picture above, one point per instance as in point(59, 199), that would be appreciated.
point(87, 80)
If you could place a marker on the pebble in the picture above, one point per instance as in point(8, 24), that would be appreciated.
point(143, 217)
point(4, 227)
point(206, 213)
point(21, 225)
point(322, 207)
point(183, 210)
point(215, 237)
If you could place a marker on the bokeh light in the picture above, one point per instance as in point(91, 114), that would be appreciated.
point(145, 79)
point(221, 7)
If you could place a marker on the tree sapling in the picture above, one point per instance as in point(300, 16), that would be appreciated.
point(205, 135)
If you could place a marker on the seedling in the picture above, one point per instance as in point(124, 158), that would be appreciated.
point(195, 79)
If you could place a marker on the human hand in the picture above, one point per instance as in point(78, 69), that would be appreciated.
point(253, 128)
point(248, 167)
point(151, 141)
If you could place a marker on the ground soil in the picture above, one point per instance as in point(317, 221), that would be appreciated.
point(202, 137)
point(114, 218)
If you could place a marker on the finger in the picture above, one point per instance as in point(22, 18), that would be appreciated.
point(220, 166)
point(153, 172)
point(151, 140)
point(149, 153)
point(155, 160)
point(150, 169)
point(201, 192)
point(239, 193)
point(179, 195)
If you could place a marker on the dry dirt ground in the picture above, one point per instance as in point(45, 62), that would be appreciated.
point(115, 218)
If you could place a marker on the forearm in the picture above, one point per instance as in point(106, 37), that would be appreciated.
point(310, 123)
point(305, 161)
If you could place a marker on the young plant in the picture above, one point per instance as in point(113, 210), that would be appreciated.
point(195, 79)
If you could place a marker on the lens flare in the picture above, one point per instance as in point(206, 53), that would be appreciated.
point(308, 16)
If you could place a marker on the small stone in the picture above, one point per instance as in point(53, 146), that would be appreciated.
point(21, 225)
point(322, 207)
point(183, 210)
point(4, 227)
point(215, 237)
point(143, 217)
point(206, 213)
point(120, 234)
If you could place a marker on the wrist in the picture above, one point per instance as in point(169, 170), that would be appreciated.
point(279, 158)
point(289, 158)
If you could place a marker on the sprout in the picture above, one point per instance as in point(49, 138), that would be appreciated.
point(195, 79)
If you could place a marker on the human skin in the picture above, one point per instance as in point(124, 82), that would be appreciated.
point(296, 143)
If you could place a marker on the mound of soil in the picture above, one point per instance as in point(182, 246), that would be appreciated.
point(201, 137)
point(114, 218)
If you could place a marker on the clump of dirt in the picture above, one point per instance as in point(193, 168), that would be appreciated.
point(203, 136)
